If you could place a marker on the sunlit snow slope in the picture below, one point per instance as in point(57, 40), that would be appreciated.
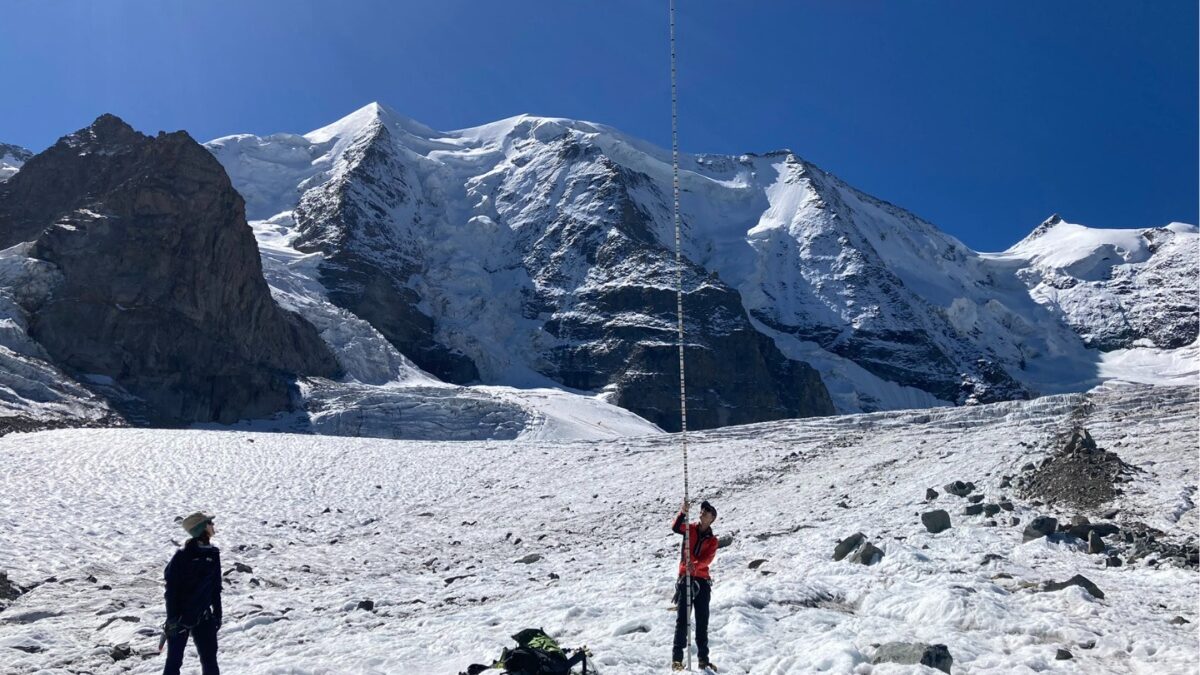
point(432, 532)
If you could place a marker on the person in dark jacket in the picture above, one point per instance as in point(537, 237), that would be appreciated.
point(194, 597)
point(703, 549)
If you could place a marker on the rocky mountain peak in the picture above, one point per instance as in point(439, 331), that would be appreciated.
point(161, 289)
point(1044, 227)
point(107, 131)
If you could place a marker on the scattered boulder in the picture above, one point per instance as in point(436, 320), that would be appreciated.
point(845, 546)
point(936, 521)
point(991, 509)
point(242, 567)
point(1006, 505)
point(1040, 526)
point(973, 509)
point(1062, 655)
point(1095, 543)
point(975, 499)
point(1077, 580)
point(8, 590)
point(529, 559)
point(913, 653)
point(959, 488)
point(755, 564)
point(930, 494)
point(724, 540)
point(1014, 521)
point(120, 652)
point(867, 554)
point(1178, 621)
point(1112, 561)
point(368, 605)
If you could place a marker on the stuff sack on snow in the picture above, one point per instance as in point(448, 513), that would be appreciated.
point(536, 654)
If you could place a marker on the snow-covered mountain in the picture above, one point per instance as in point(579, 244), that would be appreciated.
point(12, 158)
point(539, 250)
point(132, 289)
point(1117, 288)
point(515, 254)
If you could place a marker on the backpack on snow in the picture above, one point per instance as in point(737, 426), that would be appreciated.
point(536, 654)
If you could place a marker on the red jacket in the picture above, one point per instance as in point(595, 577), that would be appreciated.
point(704, 547)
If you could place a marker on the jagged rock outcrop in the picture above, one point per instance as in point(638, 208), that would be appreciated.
point(161, 296)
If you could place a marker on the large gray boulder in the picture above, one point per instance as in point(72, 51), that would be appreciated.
point(162, 298)
point(913, 653)
point(847, 545)
point(936, 521)
point(960, 488)
point(1039, 527)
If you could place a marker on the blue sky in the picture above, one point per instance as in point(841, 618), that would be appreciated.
point(983, 117)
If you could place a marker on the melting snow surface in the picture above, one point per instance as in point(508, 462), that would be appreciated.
point(431, 533)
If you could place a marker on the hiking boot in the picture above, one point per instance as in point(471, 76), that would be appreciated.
point(707, 665)
point(677, 665)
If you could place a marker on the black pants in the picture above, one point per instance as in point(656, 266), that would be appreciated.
point(205, 637)
point(701, 592)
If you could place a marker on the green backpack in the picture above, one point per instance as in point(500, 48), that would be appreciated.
point(536, 654)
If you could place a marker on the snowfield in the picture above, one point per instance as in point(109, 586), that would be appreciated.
point(433, 532)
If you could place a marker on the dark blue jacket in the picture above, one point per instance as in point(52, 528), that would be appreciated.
point(193, 584)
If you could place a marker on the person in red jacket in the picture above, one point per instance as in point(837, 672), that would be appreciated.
point(703, 544)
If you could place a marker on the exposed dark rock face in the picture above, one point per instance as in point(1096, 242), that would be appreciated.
point(162, 288)
point(362, 221)
point(599, 285)
point(617, 327)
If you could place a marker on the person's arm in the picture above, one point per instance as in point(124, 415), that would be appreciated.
point(216, 602)
point(171, 575)
point(680, 520)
